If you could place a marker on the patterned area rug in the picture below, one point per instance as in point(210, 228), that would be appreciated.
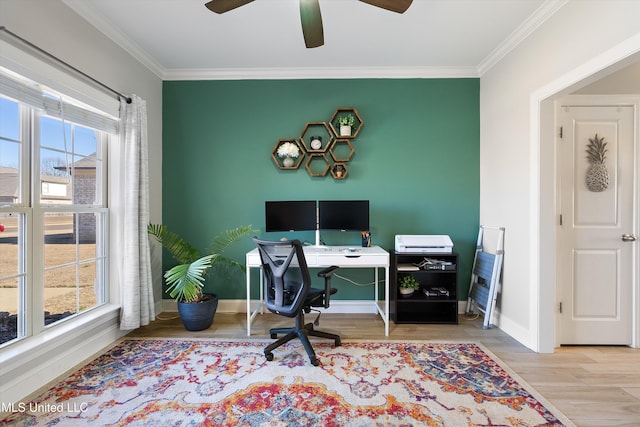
point(165, 382)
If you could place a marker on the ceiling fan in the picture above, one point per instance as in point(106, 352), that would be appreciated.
point(310, 14)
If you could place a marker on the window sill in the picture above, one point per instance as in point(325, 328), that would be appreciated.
point(66, 331)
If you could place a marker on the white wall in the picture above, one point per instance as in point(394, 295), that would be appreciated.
point(623, 82)
point(513, 148)
point(54, 27)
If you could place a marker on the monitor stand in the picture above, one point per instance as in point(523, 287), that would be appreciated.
point(317, 245)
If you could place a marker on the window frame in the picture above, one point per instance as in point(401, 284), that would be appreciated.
point(32, 213)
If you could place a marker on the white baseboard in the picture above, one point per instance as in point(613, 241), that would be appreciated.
point(337, 306)
point(29, 365)
point(515, 330)
point(240, 306)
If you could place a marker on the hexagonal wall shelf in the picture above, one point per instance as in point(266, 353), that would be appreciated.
point(317, 164)
point(341, 150)
point(344, 112)
point(285, 162)
point(316, 140)
point(316, 137)
point(339, 171)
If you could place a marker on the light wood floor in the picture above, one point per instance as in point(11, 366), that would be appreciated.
point(593, 386)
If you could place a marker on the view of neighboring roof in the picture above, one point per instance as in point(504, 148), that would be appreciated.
point(9, 182)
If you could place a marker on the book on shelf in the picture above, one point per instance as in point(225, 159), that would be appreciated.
point(439, 267)
point(435, 264)
point(407, 267)
point(436, 292)
point(430, 293)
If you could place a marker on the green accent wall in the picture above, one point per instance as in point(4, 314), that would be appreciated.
point(416, 159)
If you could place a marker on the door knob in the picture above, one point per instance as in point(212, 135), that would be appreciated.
point(628, 238)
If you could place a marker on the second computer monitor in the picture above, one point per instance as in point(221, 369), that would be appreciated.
point(344, 215)
point(298, 215)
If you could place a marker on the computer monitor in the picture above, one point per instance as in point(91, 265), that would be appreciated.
point(344, 215)
point(294, 215)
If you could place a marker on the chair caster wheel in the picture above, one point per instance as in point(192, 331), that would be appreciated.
point(315, 362)
point(338, 343)
point(274, 336)
point(268, 356)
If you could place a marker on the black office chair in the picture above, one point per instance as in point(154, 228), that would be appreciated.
point(288, 292)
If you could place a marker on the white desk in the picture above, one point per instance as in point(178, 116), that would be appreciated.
point(324, 256)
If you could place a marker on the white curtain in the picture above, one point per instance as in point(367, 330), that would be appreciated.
point(135, 264)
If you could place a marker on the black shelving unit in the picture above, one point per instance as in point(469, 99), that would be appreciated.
point(420, 307)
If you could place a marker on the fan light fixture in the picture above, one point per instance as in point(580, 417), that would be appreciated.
point(310, 15)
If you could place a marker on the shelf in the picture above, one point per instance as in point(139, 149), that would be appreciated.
point(280, 161)
point(339, 171)
point(316, 140)
point(441, 312)
point(419, 297)
point(341, 112)
point(314, 132)
point(341, 150)
point(317, 164)
point(420, 308)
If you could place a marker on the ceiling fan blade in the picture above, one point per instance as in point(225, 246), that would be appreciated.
point(222, 6)
point(399, 6)
point(311, 23)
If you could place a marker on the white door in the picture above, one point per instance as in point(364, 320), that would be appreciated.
point(596, 237)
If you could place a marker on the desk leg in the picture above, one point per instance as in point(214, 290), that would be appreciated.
point(260, 308)
point(384, 310)
point(261, 287)
point(248, 301)
point(386, 301)
point(376, 290)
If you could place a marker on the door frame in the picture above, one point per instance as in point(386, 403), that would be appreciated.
point(542, 184)
point(600, 101)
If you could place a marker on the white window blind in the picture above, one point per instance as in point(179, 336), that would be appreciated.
point(38, 67)
point(32, 94)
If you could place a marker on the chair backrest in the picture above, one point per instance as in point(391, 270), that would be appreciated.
point(286, 276)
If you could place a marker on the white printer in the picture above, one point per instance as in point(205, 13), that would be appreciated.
point(424, 244)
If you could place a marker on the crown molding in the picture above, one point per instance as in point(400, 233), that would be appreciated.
point(544, 12)
point(541, 15)
point(322, 73)
point(86, 11)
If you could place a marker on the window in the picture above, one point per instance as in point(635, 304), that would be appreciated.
point(53, 210)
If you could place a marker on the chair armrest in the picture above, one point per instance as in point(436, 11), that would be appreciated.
point(328, 271)
point(328, 291)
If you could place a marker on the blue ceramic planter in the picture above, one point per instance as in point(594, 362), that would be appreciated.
point(197, 316)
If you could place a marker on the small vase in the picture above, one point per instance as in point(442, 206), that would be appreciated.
point(345, 130)
point(406, 292)
point(287, 162)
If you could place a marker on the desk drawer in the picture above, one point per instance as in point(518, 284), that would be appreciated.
point(352, 260)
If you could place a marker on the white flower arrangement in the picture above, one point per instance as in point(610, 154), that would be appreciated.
point(288, 149)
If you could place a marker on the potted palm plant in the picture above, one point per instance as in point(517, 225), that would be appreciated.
point(186, 280)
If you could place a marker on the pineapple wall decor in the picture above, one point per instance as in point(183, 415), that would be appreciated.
point(597, 175)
